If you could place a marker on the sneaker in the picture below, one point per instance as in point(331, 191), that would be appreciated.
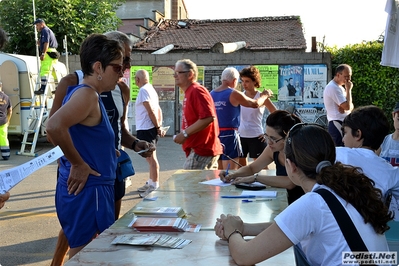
point(148, 191)
point(39, 92)
point(143, 188)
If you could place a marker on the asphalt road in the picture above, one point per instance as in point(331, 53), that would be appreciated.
point(28, 223)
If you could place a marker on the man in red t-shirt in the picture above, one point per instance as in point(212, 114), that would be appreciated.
point(200, 128)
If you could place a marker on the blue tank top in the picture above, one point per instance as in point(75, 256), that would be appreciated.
point(297, 191)
point(114, 105)
point(95, 145)
point(228, 115)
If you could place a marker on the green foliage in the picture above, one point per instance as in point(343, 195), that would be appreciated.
point(75, 19)
point(372, 83)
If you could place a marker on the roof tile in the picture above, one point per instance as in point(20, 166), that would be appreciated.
point(259, 33)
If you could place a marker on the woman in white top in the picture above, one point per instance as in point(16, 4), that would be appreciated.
point(251, 130)
point(310, 157)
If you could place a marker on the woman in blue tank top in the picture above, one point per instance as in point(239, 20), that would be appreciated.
point(84, 194)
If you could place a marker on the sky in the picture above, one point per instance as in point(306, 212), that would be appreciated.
point(341, 22)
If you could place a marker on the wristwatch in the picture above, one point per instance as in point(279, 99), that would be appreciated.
point(185, 134)
point(255, 177)
point(134, 144)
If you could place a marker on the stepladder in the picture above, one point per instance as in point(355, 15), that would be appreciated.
point(39, 110)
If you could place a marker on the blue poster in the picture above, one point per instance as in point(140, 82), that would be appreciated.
point(290, 83)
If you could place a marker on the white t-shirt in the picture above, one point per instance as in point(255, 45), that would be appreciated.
point(333, 97)
point(385, 176)
point(390, 150)
point(147, 93)
point(251, 121)
point(309, 221)
point(390, 51)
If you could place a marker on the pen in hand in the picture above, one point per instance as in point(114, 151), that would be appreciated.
point(227, 169)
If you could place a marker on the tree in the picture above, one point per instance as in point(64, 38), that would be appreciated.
point(373, 83)
point(75, 19)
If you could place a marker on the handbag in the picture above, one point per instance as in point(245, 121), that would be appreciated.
point(348, 229)
point(54, 55)
point(124, 166)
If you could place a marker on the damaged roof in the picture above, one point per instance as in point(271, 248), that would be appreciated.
point(260, 33)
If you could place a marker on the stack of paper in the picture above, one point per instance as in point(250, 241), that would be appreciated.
point(159, 211)
point(162, 224)
point(151, 240)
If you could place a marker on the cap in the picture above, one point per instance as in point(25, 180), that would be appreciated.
point(396, 108)
point(39, 20)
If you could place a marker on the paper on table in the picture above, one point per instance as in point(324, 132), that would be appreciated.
point(215, 182)
point(260, 194)
point(11, 177)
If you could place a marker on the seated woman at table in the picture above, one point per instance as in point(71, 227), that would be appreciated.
point(310, 163)
point(278, 124)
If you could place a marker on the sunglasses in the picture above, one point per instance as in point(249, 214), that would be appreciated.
point(180, 72)
point(117, 68)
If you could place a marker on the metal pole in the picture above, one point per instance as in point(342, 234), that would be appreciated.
point(66, 53)
point(37, 47)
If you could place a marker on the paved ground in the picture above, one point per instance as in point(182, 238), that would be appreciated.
point(28, 223)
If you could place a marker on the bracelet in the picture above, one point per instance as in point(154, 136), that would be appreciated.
point(134, 144)
point(236, 231)
point(255, 177)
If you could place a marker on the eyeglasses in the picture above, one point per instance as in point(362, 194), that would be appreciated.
point(180, 72)
point(272, 140)
point(117, 68)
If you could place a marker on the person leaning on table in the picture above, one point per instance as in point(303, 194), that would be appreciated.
point(278, 124)
point(310, 163)
point(84, 195)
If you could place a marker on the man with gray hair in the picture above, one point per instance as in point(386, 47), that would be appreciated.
point(227, 103)
point(337, 97)
point(148, 125)
point(200, 128)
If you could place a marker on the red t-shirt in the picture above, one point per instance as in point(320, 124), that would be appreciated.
point(198, 104)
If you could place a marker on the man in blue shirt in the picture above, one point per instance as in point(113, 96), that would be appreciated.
point(48, 51)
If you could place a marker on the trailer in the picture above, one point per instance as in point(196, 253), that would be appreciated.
point(19, 77)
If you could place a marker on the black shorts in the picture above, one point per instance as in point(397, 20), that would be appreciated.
point(119, 189)
point(149, 135)
point(334, 128)
point(252, 146)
